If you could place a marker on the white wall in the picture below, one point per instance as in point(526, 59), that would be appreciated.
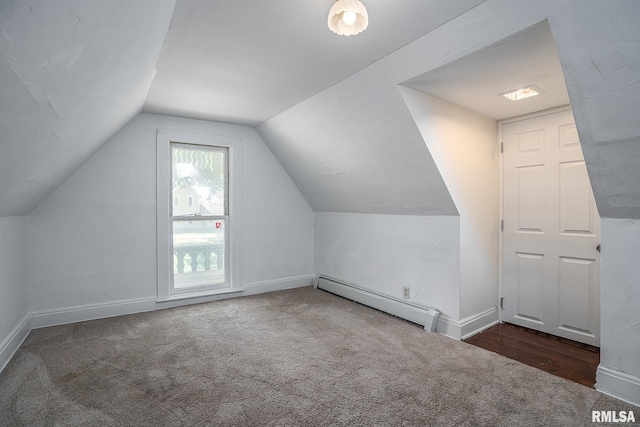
point(620, 306)
point(93, 241)
point(71, 75)
point(598, 44)
point(599, 48)
point(464, 146)
point(383, 253)
point(14, 290)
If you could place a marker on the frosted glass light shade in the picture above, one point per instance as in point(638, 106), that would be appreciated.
point(338, 25)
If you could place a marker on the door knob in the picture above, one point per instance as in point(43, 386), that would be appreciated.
point(599, 247)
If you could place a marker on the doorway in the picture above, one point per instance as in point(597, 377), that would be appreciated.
point(551, 230)
point(552, 287)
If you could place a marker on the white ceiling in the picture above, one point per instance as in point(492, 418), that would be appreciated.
point(476, 81)
point(72, 73)
point(245, 61)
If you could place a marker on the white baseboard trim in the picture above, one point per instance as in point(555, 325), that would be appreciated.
point(449, 327)
point(81, 313)
point(63, 316)
point(478, 322)
point(469, 326)
point(278, 284)
point(14, 340)
point(45, 318)
point(618, 384)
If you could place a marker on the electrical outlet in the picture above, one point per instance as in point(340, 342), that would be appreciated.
point(406, 292)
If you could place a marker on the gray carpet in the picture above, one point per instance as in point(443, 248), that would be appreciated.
point(293, 358)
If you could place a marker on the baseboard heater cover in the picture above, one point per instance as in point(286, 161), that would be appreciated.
point(424, 316)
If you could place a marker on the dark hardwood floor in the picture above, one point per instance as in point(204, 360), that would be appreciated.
point(565, 358)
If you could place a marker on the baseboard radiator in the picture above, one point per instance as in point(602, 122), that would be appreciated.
point(426, 317)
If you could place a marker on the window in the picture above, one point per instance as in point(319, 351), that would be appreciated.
point(198, 241)
point(198, 231)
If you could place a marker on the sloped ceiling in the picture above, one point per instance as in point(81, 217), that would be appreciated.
point(356, 148)
point(347, 147)
point(244, 61)
point(72, 73)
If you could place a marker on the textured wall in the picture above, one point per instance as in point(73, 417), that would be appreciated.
point(620, 343)
point(13, 274)
point(464, 147)
point(386, 252)
point(71, 75)
point(93, 241)
point(599, 47)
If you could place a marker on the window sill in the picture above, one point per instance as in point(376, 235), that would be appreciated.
point(190, 295)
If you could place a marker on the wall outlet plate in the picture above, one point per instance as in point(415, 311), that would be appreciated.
point(406, 292)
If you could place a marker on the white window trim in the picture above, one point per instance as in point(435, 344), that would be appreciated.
point(163, 202)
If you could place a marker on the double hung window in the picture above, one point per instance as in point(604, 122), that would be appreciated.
point(198, 236)
point(199, 177)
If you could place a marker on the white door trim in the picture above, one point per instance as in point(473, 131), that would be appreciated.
point(534, 115)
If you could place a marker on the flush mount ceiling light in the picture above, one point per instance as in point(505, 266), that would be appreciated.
point(348, 17)
point(522, 93)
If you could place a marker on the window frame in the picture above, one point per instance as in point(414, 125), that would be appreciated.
point(164, 139)
point(190, 218)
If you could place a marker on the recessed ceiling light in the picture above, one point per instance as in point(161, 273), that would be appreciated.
point(522, 93)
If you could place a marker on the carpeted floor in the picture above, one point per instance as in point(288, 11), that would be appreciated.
point(293, 358)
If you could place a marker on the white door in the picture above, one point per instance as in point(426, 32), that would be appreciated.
point(551, 262)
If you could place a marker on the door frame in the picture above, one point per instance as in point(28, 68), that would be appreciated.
point(501, 123)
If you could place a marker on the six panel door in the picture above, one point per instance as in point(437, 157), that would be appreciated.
point(551, 263)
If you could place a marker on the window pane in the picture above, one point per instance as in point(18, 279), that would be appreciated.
point(199, 254)
point(198, 180)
